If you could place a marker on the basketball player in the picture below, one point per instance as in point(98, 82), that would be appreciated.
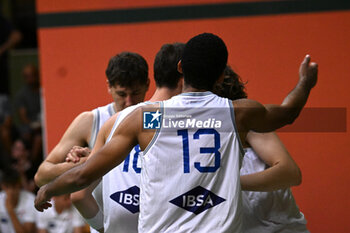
point(273, 209)
point(128, 81)
point(183, 188)
point(121, 184)
point(16, 208)
point(61, 218)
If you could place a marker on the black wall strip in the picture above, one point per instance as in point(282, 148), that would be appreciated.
point(189, 12)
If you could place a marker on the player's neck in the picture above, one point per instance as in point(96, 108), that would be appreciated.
point(163, 93)
point(188, 88)
point(59, 209)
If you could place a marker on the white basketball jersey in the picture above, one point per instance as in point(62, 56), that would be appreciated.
point(25, 211)
point(266, 212)
point(63, 222)
point(190, 171)
point(121, 188)
point(101, 115)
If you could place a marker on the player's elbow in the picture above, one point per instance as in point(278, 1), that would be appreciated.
point(39, 178)
point(295, 177)
point(298, 177)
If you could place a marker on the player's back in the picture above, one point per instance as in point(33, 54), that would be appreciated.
point(190, 170)
point(274, 211)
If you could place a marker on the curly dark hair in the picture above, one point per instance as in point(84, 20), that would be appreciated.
point(127, 69)
point(165, 65)
point(204, 60)
point(232, 87)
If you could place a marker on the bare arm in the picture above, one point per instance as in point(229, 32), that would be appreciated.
point(10, 205)
point(251, 115)
point(98, 164)
point(77, 134)
point(26, 227)
point(78, 230)
point(29, 227)
point(42, 231)
point(83, 200)
point(283, 171)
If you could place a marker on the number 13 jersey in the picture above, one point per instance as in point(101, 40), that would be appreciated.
point(190, 178)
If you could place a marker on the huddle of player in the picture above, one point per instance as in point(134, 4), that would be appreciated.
point(191, 178)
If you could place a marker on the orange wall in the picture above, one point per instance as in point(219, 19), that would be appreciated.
point(264, 50)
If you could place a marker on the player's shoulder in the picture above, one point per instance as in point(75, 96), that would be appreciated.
point(245, 107)
point(245, 103)
point(84, 119)
point(150, 105)
point(146, 107)
point(137, 109)
point(113, 117)
point(85, 115)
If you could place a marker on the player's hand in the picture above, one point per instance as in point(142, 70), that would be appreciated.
point(308, 72)
point(42, 201)
point(76, 153)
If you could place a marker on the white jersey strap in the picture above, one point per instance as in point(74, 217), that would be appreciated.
point(95, 127)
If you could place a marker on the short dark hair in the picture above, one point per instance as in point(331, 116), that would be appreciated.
point(232, 87)
point(165, 65)
point(127, 68)
point(204, 60)
point(10, 177)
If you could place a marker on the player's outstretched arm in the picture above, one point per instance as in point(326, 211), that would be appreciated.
point(77, 134)
point(251, 115)
point(283, 171)
point(98, 164)
point(83, 200)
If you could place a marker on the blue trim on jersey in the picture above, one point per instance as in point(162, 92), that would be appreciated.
point(235, 127)
point(155, 136)
point(149, 102)
point(98, 119)
point(111, 111)
point(92, 129)
point(196, 93)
